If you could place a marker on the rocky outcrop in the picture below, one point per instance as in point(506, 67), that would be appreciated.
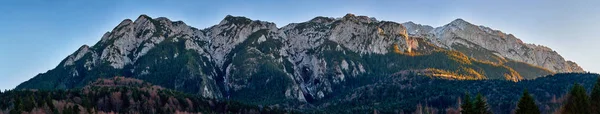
point(352, 34)
point(367, 35)
point(230, 32)
point(417, 30)
point(508, 46)
point(126, 38)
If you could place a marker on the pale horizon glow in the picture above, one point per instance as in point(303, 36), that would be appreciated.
point(36, 36)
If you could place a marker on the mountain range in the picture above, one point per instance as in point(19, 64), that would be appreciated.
point(304, 65)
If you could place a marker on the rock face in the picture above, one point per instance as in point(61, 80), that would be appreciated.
point(461, 32)
point(256, 62)
point(230, 32)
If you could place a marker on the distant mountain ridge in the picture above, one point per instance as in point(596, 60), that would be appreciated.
point(460, 33)
point(255, 62)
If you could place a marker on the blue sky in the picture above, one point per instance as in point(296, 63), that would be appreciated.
point(35, 35)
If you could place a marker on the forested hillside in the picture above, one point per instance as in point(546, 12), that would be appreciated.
point(119, 95)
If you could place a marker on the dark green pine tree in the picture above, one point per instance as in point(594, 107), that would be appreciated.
point(577, 101)
point(467, 105)
point(481, 106)
point(68, 110)
point(18, 106)
point(527, 105)
point(76, 109)
point(595, 97)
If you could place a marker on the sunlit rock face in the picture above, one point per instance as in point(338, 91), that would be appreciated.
point(462, 32)
point(304, 43)
point(297, 47)
point(301, 61)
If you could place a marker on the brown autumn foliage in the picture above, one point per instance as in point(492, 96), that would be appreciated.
point(124, 95)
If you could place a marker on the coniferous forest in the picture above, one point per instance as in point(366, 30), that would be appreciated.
point(560, 93)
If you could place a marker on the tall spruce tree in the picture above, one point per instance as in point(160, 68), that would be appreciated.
point(527, 105)
point(577, 101)
point(595, 97)
point(481, 106)
point(467, 105)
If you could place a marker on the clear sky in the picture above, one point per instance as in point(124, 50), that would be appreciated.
point(35, 35)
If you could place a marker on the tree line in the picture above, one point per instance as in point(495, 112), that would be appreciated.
point(577, 102)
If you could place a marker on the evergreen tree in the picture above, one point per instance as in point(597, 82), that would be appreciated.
point(527, 105)
point(76, 109)
point(18, 108)
point(48, 100)
point(577, 101)
point(67, 110)
point(467, 105)
point(481, 106)
point(126, 103)
point(595, 97)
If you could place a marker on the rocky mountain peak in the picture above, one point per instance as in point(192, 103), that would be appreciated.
point(321, 19)
point(142, 18)
point(367, 35)
point(462, 33)
point(236, 20)
point(349, 15)
point(417, 30)
point(129, 41)
point(231, 31)
point(239, 22)
point(163, 19)
point(79, 54)
point(361, 19)
point(460, 23)
point(84, 47)
point(125, 22)
point(410, 23)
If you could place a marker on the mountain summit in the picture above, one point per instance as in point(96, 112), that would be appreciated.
point(250, 60)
